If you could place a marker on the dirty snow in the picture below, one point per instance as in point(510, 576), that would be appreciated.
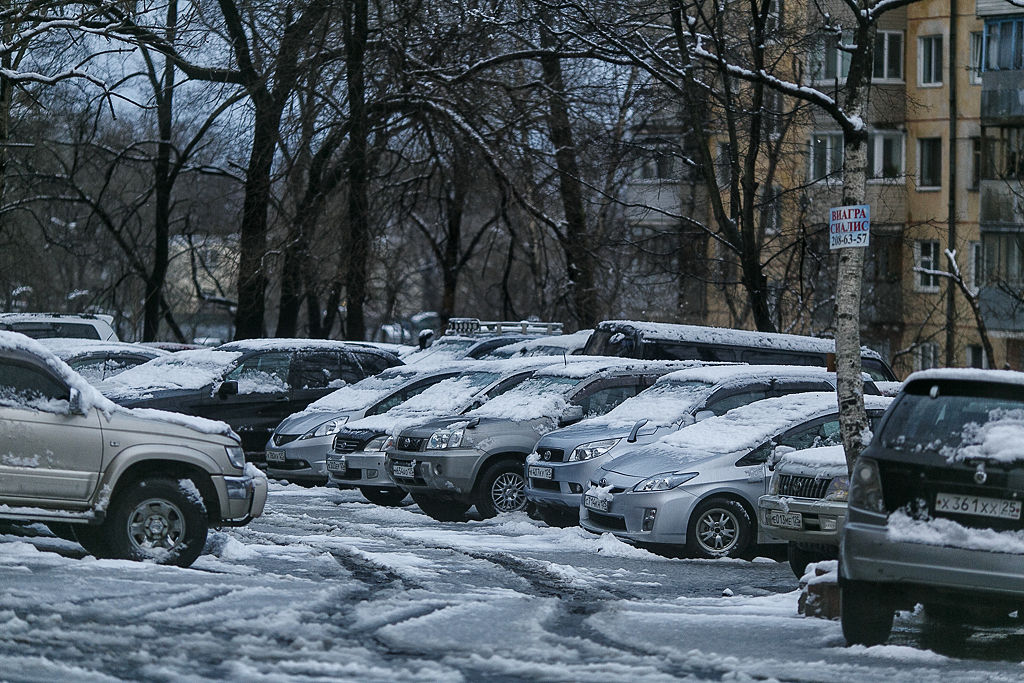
point(1000, 439)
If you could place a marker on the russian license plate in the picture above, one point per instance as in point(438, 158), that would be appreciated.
point(339, 466)
point(407, 471)
point(977, 505)
point(275, 456)
point(595, 503)
point(541, 472)
point(786, 520)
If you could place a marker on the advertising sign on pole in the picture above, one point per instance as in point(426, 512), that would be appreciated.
point(849, 226)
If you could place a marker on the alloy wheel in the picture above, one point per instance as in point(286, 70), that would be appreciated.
point(717, 531)
point(508, 493)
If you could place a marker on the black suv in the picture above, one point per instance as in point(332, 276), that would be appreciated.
point(935, 506)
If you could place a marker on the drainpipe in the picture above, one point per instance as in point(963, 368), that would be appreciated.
point(951, 186)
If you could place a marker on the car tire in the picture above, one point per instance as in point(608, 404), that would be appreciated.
point(388, 496)
point(93, 537)
point(800, 558)
point(559, 518)
point(501, 488)
point(157, 520)
point(718, 527)
point(866, 614)
point(63, 530)
point(441, 510)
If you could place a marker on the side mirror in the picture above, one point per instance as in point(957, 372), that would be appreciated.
point(703, 415)
point(227, 388)
point(571, 414)
point(75, 402)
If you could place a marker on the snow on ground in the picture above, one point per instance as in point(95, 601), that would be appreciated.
point(327, 587)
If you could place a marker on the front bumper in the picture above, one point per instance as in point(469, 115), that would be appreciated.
point(815, 514)
point(304, 460)
point(625, 516)
point(914, 572)
point(362, 468)
point(244, 498)
point(447, 474)
point(558, 492)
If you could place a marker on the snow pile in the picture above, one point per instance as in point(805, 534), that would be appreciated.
point(939, 531)
point(1000, 439)
point(534, 399)
point(259, 382)
point(821, 572)
point(826, 457)
point(180, 371)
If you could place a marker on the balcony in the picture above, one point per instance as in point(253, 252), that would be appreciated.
point(1002, 97)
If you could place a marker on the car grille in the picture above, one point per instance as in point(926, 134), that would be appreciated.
point(803, 487)
point(607, 521)
point(913, 489)
point(351, 474)
point(289, 465)
point(551, 454)
point(409, 443)
point(347, 444)
point(282, 439)
point(545, 484)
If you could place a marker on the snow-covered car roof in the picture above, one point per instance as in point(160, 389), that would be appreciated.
point(67, 348)
point(744, 428)
point(34, 323)
point(968, 375)
point(248, 345)
point(365, 393)
point(183, 370)
point(90, 397)
point(726, 373)
point(544, 346)
point(730, 337)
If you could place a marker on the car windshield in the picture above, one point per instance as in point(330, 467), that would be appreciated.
point(664, 403)
point(958, 418)
point(547, 384)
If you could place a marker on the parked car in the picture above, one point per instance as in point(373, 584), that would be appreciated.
point(935, 505)
point(697, 488)
point(471, 338)
point(128, 484)
point(48, 325)
point(806, 502)
point(559, 345)
point(632, 339)
point(297, 450)
point(564, 460)
point(252, 385)
point(100, 360)
point(454, 463)
point(360, 446)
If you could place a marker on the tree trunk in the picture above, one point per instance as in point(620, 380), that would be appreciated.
point(356, 34)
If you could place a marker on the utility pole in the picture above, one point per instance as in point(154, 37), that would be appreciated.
point(951, 243)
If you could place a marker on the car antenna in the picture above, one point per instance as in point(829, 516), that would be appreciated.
point(565, 359)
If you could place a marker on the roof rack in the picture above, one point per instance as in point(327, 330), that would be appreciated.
point(474, 326)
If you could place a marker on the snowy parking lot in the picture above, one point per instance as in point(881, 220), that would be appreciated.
point(327, 587)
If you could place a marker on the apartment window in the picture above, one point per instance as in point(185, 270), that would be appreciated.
point(977, 50)
point(774, 113)
point(929, 60)
point(1004, 154)
point(976, 357)
point(888, 56)
point(826, 155)
point(723, 165)
point(1004, 44)
point(773, 22)
point(976, 158)
point(1003, 258)
point(927, 356)
point(929, 163)
point(926, 257)
point(772, 210)
point(885, 156)
point(829, 63)
point(974, 277)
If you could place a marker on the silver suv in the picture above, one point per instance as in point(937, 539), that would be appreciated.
point(935, 505)
point(127, 484)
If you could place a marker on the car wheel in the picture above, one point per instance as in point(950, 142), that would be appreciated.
point(800, 558)
point(383, 495)
point(866, 615)
point(718, 528)
point(93, 537)
point(441, 510)
point(559, 518)
point(155, 519)
point(501, 488)
point(62, 530)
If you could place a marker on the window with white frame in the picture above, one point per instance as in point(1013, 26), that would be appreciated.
point(888, 56)
point(929, 163)
point(774, 112)
point(976, 273)
point(926, 257)
point(929, 60)
point(826, 156)
point(1004, 44)
point(976, 356)
point(977, 52)
point(927, 356)
point(828, 62)
point(885, 156)
point(772, 210)
point(773, 22)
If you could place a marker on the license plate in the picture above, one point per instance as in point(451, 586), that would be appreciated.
point(786, 520)
point(541, 472)
point(977, 505)
point(595, 503)
point(275, 456)
point(407, 471)
point(339, 466)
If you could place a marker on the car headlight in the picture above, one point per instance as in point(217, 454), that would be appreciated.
point(445, 438)
point(236, 456)
point(866, 487)
point(594, 449)
point(326, 429)
point(664, 481)
point(838, 489)
point(773, 485)
point(381, 443)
